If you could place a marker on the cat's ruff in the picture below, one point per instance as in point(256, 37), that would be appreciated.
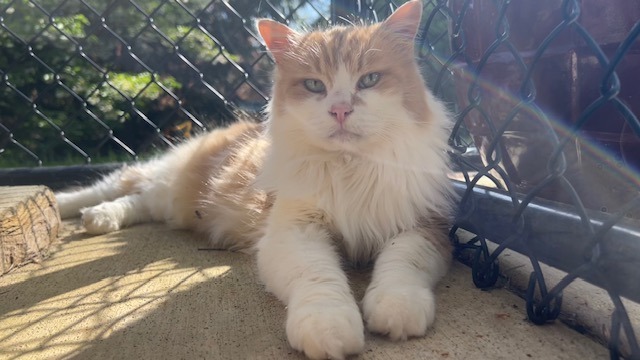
point(351, 163)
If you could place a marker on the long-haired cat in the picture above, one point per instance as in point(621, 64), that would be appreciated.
point(350, 164)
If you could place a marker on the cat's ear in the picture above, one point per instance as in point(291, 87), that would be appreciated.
point(405, 20)
point(276, 36)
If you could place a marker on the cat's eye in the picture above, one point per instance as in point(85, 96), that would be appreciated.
point(314, 85)
point(369, 80)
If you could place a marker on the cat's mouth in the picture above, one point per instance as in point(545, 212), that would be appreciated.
point(344, 135)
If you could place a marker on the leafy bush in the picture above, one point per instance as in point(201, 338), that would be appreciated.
point(94, 80)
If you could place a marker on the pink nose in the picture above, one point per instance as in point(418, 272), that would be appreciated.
point(340, 111)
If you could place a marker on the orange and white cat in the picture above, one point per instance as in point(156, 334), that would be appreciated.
point(350, 164)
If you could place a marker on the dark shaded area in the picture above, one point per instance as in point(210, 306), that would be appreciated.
point(548, 92)
point(56, 177)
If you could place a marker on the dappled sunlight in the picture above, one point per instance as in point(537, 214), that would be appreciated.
point(92, 287)
point(66, 324)
point(74, 254)
point(147, 292)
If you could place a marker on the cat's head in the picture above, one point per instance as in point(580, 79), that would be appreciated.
point(347, 88)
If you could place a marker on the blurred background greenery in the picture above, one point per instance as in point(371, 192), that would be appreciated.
point(92, 81)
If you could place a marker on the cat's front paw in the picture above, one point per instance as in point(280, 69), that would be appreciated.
point(326, 331)
point(100, 219)
point(399, 312)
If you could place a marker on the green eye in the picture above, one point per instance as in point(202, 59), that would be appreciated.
point(315, 86)
point(368, 80)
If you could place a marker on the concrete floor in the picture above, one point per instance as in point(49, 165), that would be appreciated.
point(149, 293)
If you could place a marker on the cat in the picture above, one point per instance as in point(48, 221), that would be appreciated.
point(349, 165)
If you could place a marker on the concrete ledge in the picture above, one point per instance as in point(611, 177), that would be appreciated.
point(585, 307)
point(149, 293)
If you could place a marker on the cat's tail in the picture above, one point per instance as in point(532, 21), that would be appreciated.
point(123, 181)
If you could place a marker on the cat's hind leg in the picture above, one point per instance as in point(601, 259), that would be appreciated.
point(113, 215)
point(119, 183)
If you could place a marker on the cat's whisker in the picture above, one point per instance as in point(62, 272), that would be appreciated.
point(348, 21)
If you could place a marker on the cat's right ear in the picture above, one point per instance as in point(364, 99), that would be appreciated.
point(276, 36)
point(405, 20)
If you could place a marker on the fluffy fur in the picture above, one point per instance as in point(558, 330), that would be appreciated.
point(353, 171)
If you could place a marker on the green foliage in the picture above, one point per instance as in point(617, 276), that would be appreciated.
point(73, 25)
point(142, 87)
point(100, 80)
point(108, 87)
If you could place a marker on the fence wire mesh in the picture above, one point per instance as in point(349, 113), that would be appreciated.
point(545, 93)
point(85, 80)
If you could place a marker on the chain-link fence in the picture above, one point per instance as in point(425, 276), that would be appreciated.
point(100, 81)
point(548, 92)
point(546, 96)
point(546, 101)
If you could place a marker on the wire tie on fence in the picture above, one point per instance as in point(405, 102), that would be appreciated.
point(484, 273)
point(548, 309)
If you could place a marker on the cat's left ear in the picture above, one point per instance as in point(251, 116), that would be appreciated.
point(405, 20)
point(276, 36)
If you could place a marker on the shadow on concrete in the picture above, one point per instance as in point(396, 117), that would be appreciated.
point(145, 292)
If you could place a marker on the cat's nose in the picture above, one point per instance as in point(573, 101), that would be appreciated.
point(340, 111)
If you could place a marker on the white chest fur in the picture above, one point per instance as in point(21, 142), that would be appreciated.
point(366, 202)
point(367, 196)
